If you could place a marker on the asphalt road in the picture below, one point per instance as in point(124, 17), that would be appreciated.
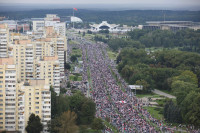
point(163, 93)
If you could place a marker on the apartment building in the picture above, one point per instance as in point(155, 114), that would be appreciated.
point(33, 97)
point(49, 68)
point(4, 40)
point(32, 59)
point(24, 55)
point(38, 25)
point(8, 101)
point(19, 99)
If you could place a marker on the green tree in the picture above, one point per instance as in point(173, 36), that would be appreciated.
point(73, 58)
point(172, 112)
point(53, 125)
point(75, 104)
point(97, 124)
point(181, 89)
point(191, 108)
point(146, 86)
point(63, 90)
point(68, 123)
point(67, 66)
point(34, 124)
point(83, 33)
point(88, 110)
point(53, 103)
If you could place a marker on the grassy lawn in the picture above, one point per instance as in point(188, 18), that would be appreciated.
point(72, 42)
point(155, 112)
point(147, 95)
point(76, 51)
point(112, 55)
point(72, 78)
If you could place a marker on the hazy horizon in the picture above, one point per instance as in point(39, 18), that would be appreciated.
point(20, 5)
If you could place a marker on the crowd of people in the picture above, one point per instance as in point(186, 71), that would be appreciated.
point(113, 98)
point(124, 111)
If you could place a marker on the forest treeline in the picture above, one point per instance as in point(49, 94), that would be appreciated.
point(185, 40)
point(170, 70)
point(129, 17)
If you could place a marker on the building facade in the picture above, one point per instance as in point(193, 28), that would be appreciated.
point(4, 40)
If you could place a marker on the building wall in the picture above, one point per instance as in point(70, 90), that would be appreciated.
point(4, 40)
point(37, 25)
point(8, 81)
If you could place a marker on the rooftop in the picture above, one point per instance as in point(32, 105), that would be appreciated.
point(8, 61)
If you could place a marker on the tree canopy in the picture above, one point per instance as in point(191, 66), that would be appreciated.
point(34, 124)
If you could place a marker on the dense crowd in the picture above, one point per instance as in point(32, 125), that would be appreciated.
point(123, 110)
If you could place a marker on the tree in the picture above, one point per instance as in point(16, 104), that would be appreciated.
point(191, 108)
point(34, 124)
point(75, 104)
point(83, 33)
point(68, 122)
point(88, 110)
point(144, 84)
point(73, 58)
point(68, 84)
point(63, 90)
point(67, 66)
point(181, 89)
point(97, 124)
point(53, 125)
point(53, 103)
point(172, 112)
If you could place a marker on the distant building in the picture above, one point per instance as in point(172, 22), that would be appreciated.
point(52, 17)
point(136, 87)
point(12, 24)
point(113, 28)
point(171, 25)
point(23, 27)
point(104, 26)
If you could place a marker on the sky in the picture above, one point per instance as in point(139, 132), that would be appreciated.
point(181, 2)
point(146, 4)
